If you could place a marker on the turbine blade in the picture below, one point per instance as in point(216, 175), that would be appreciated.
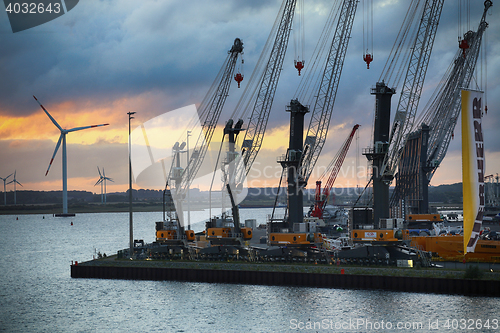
point(98, 182)
point(109, 179)
point(99, 172)
point(55, 152)
point(19, 183)
point(48, 114)
point(85, 127)
point(7, 177)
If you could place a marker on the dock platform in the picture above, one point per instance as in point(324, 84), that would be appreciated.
point(424, 280)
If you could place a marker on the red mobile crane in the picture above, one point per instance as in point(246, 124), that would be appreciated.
point(335, 165)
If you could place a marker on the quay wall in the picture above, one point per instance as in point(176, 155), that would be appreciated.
point(347, 281)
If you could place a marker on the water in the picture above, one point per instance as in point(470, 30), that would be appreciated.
point(38, 295)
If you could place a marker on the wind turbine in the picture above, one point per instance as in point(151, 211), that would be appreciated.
point(99, 181)
point(15, 182)
point(62, 138)
point(102, 180)
point(4, 189)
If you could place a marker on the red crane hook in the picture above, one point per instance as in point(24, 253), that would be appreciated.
point(368, 58)
point(463, 45)
point(299, 65)
point(238, 77)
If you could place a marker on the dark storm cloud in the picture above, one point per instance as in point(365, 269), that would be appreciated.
point(109, 49)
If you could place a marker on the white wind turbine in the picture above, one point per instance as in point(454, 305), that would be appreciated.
point(4, 189)
point(102, 180)
point(62, 138)
point(99, 181)
point(15, 182)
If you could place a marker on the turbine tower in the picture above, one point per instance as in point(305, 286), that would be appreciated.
point(4, 189)
point(62, 138)
point(102, 180)
point(15, 182)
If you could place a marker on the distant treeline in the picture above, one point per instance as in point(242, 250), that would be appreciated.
point(50, 197)
point(448, 194)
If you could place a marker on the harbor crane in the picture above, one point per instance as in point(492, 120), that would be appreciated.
point(258, 99)
point(301, 156)
point(387, 146)
point(428, 143)
point(209, 111)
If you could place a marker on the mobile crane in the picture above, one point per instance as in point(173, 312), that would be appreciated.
point(335, 165)
point(433, 132)
point(379, 230)
point(225, 235)
point(172, 233)
point(292, 234)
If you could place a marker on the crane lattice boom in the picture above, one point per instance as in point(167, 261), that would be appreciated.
point(443, 114)
point(262, 107)
point(210, 111)
point(412, 87)
point(323, 107)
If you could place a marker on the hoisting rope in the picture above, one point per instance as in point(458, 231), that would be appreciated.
point(368, 32)
point(309, 84)
point(299, 36)
point(249, 93)
point(394, 66)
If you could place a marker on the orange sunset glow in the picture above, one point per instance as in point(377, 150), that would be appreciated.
point(85, 75)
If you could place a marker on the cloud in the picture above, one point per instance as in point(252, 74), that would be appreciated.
point(106, 58)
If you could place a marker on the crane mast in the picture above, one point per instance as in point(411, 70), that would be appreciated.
point(225, 232)
point(298, 168)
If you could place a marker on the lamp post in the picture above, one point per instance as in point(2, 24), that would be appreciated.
point(131, 228)
point(187, 171)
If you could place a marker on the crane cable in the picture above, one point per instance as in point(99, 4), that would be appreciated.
point(298, 33)
point(399, 50)
point(368, 31)
point(248, 96)
point(393, 62)
point(309, 84)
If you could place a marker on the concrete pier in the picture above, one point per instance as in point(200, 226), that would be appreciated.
point(253, 274)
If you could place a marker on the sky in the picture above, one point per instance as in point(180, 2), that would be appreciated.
point(105, 58)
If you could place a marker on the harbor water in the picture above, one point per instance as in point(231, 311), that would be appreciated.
point(38, 295)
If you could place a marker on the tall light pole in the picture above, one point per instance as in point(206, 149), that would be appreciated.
point(187, 172)
point(131, 226)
